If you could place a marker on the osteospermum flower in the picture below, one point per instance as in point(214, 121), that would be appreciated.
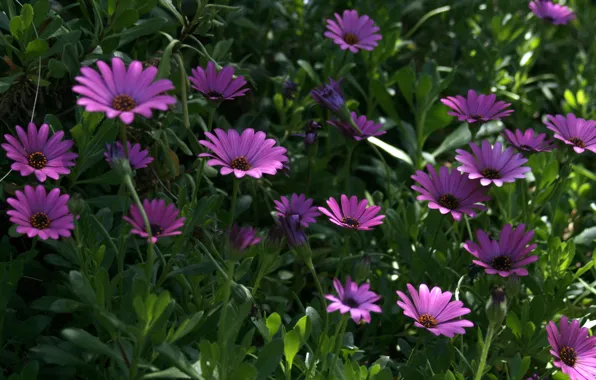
point(353, 214)
point(557, 14)
point(505, 256)
point(573, 350)
point(433, 310)
point(579, 133)
point(368, 127)
point(529, 141)
point(123, 93)
point(243, 237)
point(138, 158)
point(491, 164)
point(329, 95)
point(450, 192)
point(247, 154)
point(37, 213)
point(353, 32)
point(163, 219)
point(476, 107)
point(34, 153)
point(358, 300)
point(290, 227)
point(217, 86)
point(298, 205)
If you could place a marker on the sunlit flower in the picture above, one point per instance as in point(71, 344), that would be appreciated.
point(298, 205)
point(476, 107)
point(367, 127)
point(163, 219)
point(579, 133)
point(359, 301)
point(556, 14)
point(353, 214)
point(353, 32)
point(217, 86)
point(573, 349)
point(138, 158)
point(529, 141)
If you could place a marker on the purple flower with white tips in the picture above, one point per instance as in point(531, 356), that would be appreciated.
point(579, 133)
point(529, 141)
point(476, 107)
point(217, 86)
point(353, 32)
point(359, 301)
point(353, 214)
point(298, 205)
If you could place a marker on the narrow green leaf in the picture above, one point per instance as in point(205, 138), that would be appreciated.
point(81, 286)
point(273, 323)
point(291, 347)
point(309, 70)
point(384, 99)
point(269, 358)
point(90, 343)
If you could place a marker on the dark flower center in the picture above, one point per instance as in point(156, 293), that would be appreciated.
point(37, 160)
point(240, 163)
point(491, 173)
point(156, 230)
point(477, 117)
point(568, 355)
point(578, 142)
point(351, 222)
point(501, 263)
point(350, 38)
point(216, 95)
point(527, 148)
point(448, 201)
point(40, 220)
point(123, 103)
point(349, 301)
point(549, 18)
point(428, 321)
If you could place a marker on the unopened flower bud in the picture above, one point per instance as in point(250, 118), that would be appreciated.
point(116, 157)
point(496, 308)
point(513, 285)
point(76, 205)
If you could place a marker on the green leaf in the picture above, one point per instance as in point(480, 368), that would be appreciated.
point(26, 16)
point(64, 305)
point(6, 82)
point(174, 357)
point(309, 70)
point(70, 57)
point(36, 48)
point(186, 327)
point(457, 138)
point(245, 371)
point(52, 28)
point(30, 371)
point(16, 27)
point(514, 324)
point(273, 323)
point(570, 98)
point(395, 152)
point(269, 358)
point(181, 144)
point(586, 237)
point(81, 286)
point(40, 11)
point(436, 118)
point(57, 68)
point(449, 375)
point(164, 68)
point(90, 343)
point(384, 99)
point(143, 28)
point(111, 7)
point(55, 355)
point(385, 374)
point(221, 49)
point(126, 19)
point(303, 327)
point(291, 347)
point(425, 84)
point(406, 79)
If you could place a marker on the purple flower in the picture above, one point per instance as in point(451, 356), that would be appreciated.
point(297, 205)
point(529, 141)
point(163, 220)
point(243, 237)
point(247, 154)
point(579, 133)
point(358, 300)
point(491, 164)
point(138, 158)
point(505, 256)
point(33, 152)
point(476, 107)
point(310, 132)
point(329, 95)
point(353, 214)
point(534, 377)
point(368, 127)
point(353, 32)
point(217, 86)
point(557, 14)
point(292, 230)
point(450, 192)
point(434, 311)
point(37, 213)
point(573, 349)
point(122, 93)
point(289, 89)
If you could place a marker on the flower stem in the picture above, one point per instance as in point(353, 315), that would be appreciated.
point(344, 252)
point(202, 164)
point(222, 328)
point(487, 342)
point(338, 341)
point(312, 153)
point(387, 171)
point(348, 167)
point(234, 198)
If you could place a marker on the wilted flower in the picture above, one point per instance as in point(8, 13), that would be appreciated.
point(557, 14)
point(476, 107)
point(137, 157)
point(329, 95)
point(163, 219)
point(353, 214)
point(573, 349)
point(358, 300)
point(217, 86)
point(353, 32)
point(297, 205)
point(529, 141)
point(243, 237)
point(367, 127)
point(579, 133)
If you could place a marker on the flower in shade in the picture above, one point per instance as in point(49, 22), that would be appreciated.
point(163, 219)
point(138, 158)
point(534, 377)
point(358, 300)
point(292, 230)
point(450, 192)
point(289, 89)
point(529, 141)
point(434, 310)
point(353, 32)
point(505, 256)
point(215, 85)
point(329, 95)
point(573, 350)
point(352, 213)
point(579, 133)
point(476, 107)
point(368, 127)
point(123, 93)
point(491, 164)
point(311, 132)
point(37, 213)
point(34, 152)
point(298, 205)
point(247, 154)
point(555, 13)
point(243, 237)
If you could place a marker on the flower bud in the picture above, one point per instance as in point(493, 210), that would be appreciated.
point(330, 96)
point(513, 285)
point(496, 308)
point(289, 89)
point(76, 205)
point(118, 160)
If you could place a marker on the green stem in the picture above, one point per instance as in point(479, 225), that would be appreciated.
point(418, 343)
point(524, 195)
point(183, 91)
point(344, 252)
point(338, 340)
point(123, 139)
point(312, 153)
point(234, 198)
point(348, 167)
point(222, 331)
point(487, 342)
point(202, 164)
point(387, 172)
point(420, 120)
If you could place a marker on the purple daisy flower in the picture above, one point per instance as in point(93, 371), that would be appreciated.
point(353, 214)
point(529, 141)
point(163, 220)
point(353, 32)
point(37, 213)
point(368, 127)
point(491, 164)
point(476, 107)
point(450, 192)
point(358, 300)
point(122, 93)
point(297, 205)
point(243, 237)
point(138, 158)
point(329, 95)
point(433, 310)
point(579, 133)
point(247, 154)
point(574, 351)
point(33, 152)
point(505, 256)
point(556, 14)
point(217, 86)
point(290, 228)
